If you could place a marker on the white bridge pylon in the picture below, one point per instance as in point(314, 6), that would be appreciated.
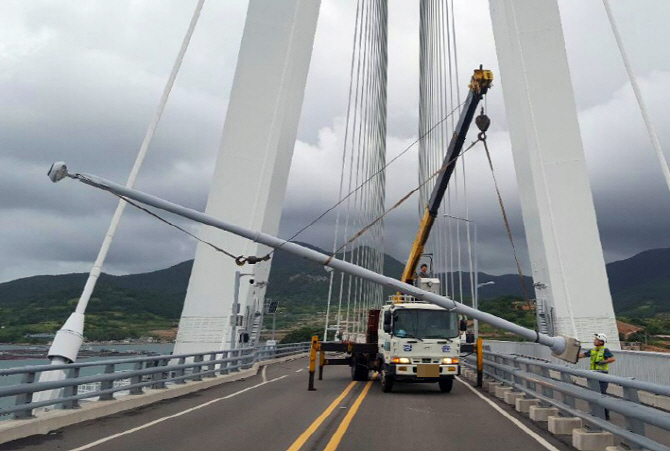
point(252, 166)
point(558, 213)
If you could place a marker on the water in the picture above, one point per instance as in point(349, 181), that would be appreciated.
point(160, 348)
point(16, 379)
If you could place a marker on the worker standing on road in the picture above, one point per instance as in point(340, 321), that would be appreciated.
point(601, 357)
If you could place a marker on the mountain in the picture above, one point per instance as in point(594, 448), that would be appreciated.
point(491, 286)
point(138, 303)
point(640, 285)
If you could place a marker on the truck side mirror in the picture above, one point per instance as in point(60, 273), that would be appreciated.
point(463, 326)
point(387, 322)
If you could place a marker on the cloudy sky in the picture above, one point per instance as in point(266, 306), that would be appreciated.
point(79, 82)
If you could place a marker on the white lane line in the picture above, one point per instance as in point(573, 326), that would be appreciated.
point(160, 420)
point(521, 426)
point(265, 379)
point(301, 369)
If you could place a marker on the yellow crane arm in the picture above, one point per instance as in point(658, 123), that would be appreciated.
point(479, 84)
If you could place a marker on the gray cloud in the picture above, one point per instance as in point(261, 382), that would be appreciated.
point(81, 82)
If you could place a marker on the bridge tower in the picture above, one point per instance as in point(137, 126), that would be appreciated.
point(252, 168)
point(566, 256)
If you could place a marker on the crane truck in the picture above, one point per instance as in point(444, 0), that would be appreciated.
point(418, 341)
point(408, 340)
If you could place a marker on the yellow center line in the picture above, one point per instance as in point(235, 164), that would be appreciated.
point(314, 426)
point(337, 436)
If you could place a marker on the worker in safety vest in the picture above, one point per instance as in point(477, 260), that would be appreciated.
point(601, 357)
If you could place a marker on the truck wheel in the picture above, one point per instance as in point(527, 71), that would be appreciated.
point(446, 385)
point(387, 382)
point(359, 372)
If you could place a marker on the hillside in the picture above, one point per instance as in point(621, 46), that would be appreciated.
point(640, 285)
point(136, 304)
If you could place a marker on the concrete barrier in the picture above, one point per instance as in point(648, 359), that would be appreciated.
point(511, 397)
point(563, 425)
point(585, 440)
point(52, 420)
point(538, 413)
point(490, 386)
point(523, 405)
point(500, 392)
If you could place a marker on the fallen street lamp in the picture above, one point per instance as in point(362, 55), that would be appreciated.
point(563, 347)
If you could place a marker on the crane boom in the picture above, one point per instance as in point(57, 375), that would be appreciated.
point(479, 84)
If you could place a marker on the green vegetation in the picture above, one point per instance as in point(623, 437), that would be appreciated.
point(302, 335)
point(655, 330)
point(511, 308)
point(122, 306)
point(135, 305)
point(116, 316)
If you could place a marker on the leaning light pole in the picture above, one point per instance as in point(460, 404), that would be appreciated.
point(563, 347)
point(69, 338)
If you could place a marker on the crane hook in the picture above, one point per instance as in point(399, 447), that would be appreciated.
point(483, 122)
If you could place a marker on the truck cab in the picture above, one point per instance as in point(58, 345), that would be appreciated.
point(417, 342)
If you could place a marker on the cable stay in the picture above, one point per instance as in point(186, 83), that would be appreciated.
point(656, 144)
point(439, 91)
point(68, 340)
point(362, 168)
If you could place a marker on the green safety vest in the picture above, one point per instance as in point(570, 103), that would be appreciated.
point(598, 354)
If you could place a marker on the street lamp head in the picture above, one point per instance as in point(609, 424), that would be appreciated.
point(58, 171)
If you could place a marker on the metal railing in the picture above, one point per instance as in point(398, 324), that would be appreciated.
point(556, 385)
point(111, 378)
point(642, 365)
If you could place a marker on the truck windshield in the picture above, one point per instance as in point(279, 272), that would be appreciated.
point(424, 324)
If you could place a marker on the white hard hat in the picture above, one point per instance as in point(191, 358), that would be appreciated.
point(601, 337)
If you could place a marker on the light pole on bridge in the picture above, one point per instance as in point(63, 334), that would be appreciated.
point(475, 304)
point(236, 306)
point(563, 347)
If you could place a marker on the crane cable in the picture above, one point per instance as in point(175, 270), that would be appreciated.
point(522, 282)
point(369, 179)
point(239, 259)
point(402, 200)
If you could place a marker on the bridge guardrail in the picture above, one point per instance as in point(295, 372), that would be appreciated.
point(642, 365)
point(542, 380)
point(153, 372)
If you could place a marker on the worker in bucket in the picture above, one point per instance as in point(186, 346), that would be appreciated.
point(601, 357)
point(422, 274)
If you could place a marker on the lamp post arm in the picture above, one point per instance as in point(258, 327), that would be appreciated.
point(563, 347)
